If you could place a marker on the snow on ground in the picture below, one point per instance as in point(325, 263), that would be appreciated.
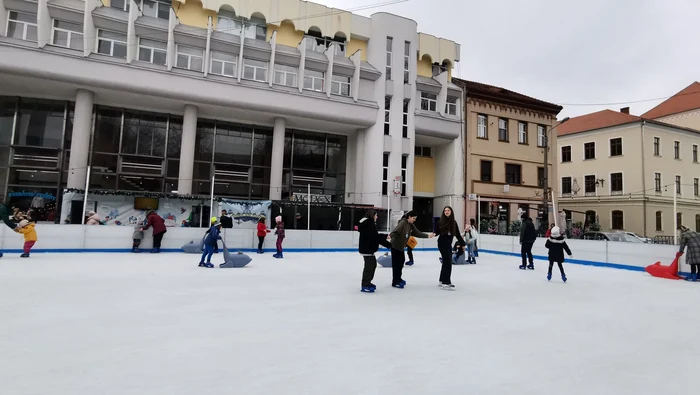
point(157, 324)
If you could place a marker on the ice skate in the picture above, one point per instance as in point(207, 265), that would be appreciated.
point(531, 266)
point(367, 289)
point(399, 285)
point(202, 264)
point(25, 255)
point(563, 277)
point(692, 277)
point(209, 265)
point(549, 276)
point(522, 267)
point(447, 287)
point(409, 263)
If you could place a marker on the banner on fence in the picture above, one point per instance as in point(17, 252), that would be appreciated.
point(245, 214)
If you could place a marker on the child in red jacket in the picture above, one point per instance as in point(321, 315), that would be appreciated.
point(262, 232)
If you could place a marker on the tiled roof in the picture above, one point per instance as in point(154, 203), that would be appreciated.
point(685, 100)
point(596, 120)
point(490, 92)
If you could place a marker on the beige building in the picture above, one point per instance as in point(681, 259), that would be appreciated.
point(505, 138)
point(620, 170)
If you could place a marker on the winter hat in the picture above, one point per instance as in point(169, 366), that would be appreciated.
point(23, 223)
point(278, 218)
point(217, 224)
point(556, 232)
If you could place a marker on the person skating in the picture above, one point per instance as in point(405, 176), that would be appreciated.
point(470, 239)
point(26, 228)
point(213, 221)
point(210, 242)
point(409, 250)
point(159, 229)
point(262, 232)
point(137, 237)
point(279, 231)
point(370, 239)
point(447, 231)
point(556, 246)
point(399, 237)
point(528, 235)
point(5, 213)
point(691, 241)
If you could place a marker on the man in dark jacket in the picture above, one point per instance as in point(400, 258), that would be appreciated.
point(5, 213)
point(226, 221)
point(528, 235)
point(370, 239)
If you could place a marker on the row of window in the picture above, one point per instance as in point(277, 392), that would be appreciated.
point(679, 185)
point(385, 174)
point(679, 221)
point(591, 183)
point(406, 59)
point(513, 173)
point(482, 131)
point(589, 150)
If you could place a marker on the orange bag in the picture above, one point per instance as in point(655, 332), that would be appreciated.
point(412, 242)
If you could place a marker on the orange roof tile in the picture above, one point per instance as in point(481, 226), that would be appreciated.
point(685, 100)
point(596, 120)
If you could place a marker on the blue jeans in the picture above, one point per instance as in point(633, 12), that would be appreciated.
point(470, 250)
point(208, 252)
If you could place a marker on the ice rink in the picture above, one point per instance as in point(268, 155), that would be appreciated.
point(89, 324)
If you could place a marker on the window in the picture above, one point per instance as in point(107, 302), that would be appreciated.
point(540, 177)
point(486, 170)
point(286, 75)
point(697, 222)
point(404, 173)
point(696, 187)
point(21, 26)
point(618, 220)
point(404, 125)
point(112, 44)
point(385, 174)
point(155, 52)
point(406, 61)
point(316, 43)
point(255, 29)
point(589, 185)
point(451, 106)
point(255, 70)
point(566, 185)
point(678, 185)
point(541, 130)
point(566, 154)
point(156, 9)
point(502, 129)
point(695, 153)
point(522, 133)
point(679, 219)
point(589, 151)
point(513, 174)
point(423, 151)
point(387, 114)
point(616, 184)
point(657, 146)
point(428, 101)
point(190, 58)
point(481, 127)
point(389, 44)
point(228, 22)
point(340, 85)
point(223, 64)
point(677, 149)
point(120, 4)
point(657, 182)
point(313, 80)
point(438, 69)
point(659, 221)
point(616, 146)
point(66, 34)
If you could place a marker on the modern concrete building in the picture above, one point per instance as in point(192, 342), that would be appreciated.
point(268, 96)
point(620, 171)
point(505, 149)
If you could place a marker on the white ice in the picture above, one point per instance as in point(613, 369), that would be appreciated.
point(102, 324)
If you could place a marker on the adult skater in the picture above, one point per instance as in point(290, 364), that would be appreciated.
point(528, 235)
point(399, 237)
point(5, 213)
point(370, 239)
point(556, 246)
point(691, 240)
point(159, 229)
point(447, 231)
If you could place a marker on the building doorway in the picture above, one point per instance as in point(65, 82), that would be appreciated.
point(424, 208)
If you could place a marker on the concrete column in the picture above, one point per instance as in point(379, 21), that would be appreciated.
point(80, 146)
point(277, 159)
point(189, 136)
point(359, 165)
point(43, 23)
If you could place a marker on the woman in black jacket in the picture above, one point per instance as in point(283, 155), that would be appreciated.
point(369, 244)
point(447, 229)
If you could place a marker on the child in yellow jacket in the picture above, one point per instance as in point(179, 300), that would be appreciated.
point(26, 228)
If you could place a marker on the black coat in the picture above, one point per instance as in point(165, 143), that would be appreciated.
point(370, 238)
point(528, 233)
point(226, 222)
point(557, 246)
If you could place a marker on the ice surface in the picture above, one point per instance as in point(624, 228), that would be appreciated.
point(107, 324)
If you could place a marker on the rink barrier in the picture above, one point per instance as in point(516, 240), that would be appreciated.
point(117, 239)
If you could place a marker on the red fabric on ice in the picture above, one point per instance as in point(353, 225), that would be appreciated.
point(661, 271)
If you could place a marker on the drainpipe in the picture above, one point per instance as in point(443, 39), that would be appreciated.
point(465, 124)
point(644, 186)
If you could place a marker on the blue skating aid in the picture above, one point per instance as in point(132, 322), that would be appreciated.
point(234, 260)
point(384, 260)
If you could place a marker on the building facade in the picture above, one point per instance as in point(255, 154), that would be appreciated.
point(620, 171)
point(506, 137)
point(265, 97)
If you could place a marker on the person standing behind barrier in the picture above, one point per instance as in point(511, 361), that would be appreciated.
point(154, 220)
point(279, 231)
point(399, 237)
point(370, 239)
point(690, 240)
point(447, 230)
point(528, 235)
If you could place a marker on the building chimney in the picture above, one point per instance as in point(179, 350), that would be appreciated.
point(625, 110)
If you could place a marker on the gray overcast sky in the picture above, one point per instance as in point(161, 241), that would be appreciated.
point(566, 51)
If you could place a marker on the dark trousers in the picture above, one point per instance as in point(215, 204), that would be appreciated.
point(561, 267)
point(445, 248)
point(526, 252)
point(409, 251)
point(157, 239)
point(397, 261)
point(368, 272)
point(137, 243)
point(695, 269)
point(261, 240)
point(279, 243)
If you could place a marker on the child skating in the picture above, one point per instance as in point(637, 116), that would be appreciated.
point(137, 237)
point(279, 231)
point(210, 243)
point(556, 246)
point(26, 228)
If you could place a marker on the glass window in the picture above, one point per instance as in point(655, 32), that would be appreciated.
point(659, 221)
point(616, 183)
point(233, 144)
point(309, 150)
point(513, 174)
point(404, 124)
point(174, 137)
point(111, 44)
point(286, 75)
point(589, 151)
point(486, 170)
point(385, 174)
point(224, 64)
point(428, 101)
point(107, 130)
point(406, 61)
point(262, 147)
point(677, 149)
point(21, 26)
point(657, 182)
point(503, 130)
point(7, 118)
point(616, 146)
point(389, 45)
point(522, 133)
point(190, 58)
point(451, 106)
point(156, 9)
point(387, 115)
point(566, 154)
point(566, 185)
point(481, 123)
point(151, 51)
point(204, 143)
point(40, 123)
point(254, 70)
point(541, 130)
point(657, 146)
point(336, 150)
point(120, 4)
point(228, 22)
point(313, 80)
point(618, 220)
point(144, 134)
point(67, 34)
point(340, 85)
point(589, 185)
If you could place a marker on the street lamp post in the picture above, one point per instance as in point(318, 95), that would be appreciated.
point(545, 183)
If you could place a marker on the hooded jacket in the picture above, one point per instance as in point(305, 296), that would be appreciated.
point(404, 230)
point(557, 246)
point(213, 236)
point(370, 238)
point(154, 220)
point(528, 233)
point(93, 219)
